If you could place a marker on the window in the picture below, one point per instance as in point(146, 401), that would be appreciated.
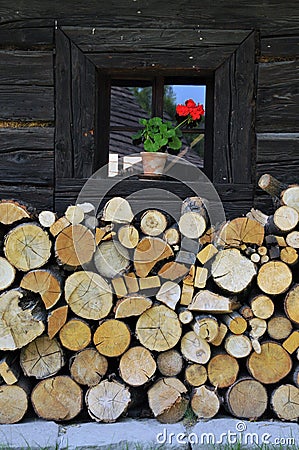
point(128, 100)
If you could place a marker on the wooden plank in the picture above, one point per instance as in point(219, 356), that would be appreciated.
point(278, 97)
point(285, 171)
point(277, 147)
point(271, 16)
point(233, 116)
point(283, 46)
point(39, 197)
point(26, 68)
point(204, 58)
point(90, 39)
point(64, 133)
point(32, 138)
point(27, 167)
point(26, 38)
point(83, 107)
point(27, 103)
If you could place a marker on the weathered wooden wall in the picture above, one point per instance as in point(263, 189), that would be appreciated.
point(27, 86)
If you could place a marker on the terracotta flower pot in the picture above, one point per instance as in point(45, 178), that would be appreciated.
point(153, 162)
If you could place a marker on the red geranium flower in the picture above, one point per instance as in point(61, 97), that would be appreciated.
point(182, 110)
point(190, 103)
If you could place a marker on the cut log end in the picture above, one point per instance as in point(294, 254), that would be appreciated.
point(247, 399)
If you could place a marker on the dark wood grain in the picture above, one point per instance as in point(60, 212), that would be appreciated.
point(33, 138)
point(27, 103)
point(277, 147)
point(280, 46)
point(26, 68)
point(233, 116)
point(26, 38)
point(28, 167)
point(285, 171)
point(272, 16)
point(278, 97)
point(39, 197)
point(100, 39)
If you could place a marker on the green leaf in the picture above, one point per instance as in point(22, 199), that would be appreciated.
point(150, 146)
point(137, 136)
point(175, 143)
point(170, 133)
point(155, 121)
point(143, 121)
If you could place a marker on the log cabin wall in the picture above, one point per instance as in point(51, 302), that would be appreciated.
point(29, 149)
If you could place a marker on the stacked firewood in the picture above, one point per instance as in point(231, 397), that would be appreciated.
point(106, 311)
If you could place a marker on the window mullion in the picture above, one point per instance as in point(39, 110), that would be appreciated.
point(158, 94)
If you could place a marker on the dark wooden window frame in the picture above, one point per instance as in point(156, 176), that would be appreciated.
point(81, 52)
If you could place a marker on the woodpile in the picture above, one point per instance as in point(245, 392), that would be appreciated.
point(112, 312)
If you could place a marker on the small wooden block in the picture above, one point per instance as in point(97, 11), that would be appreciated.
point(59, 225)
point(207, 253)
point(187, 294)
point(131, 282)
point(222, 330)
point(189, 278)
point(150, 282)
point(281, 242)
point(292, 342)
point(119, 287)
point(201, 277)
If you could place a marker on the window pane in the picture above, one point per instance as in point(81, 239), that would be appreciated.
point(195, 148)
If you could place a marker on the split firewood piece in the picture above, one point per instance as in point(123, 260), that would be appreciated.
point(185, 316)
point(74, 214)
point(18, 326)
point(262, 306)
point(208, 301)
point(286, 218)
point(13, 403)
point(7, 274)
point(192, 225)
point(58, 398)
point(235, 322)
point(274, 278)
point(128, 236)
point(12, 212)
point(207, 253)
point(44, 282)
point(291, 304)
point(258, 327)
point(158, 328)
point(119, 287)
point(279, 327)
point(205, 402)
point(27, 246)
point(196, 374)
point(46, 218)
point(285, 402)
point(292, 239)
point(117, 210)
point(201, 277)
point(291, 344)
point(189, 278)
point(164, 394)
point(153, 222)
point(88, 367)
point(223, 370)
point(289, 255)
point(176, 412)
point(241, 231)
point(170, 363)
point(74, 246)
point(112, 338)
point(232, 271)
point(222, 331)
point(111, 259)
point(169, 294)
point(271, 365)
point(56, 320)
point(206, 327)
point(238, 345)
point(247, 399)
point(150, 285)
point(148, 252)
point(10, 368)
point(42, 358)
point(59, 225)
point(137, 366)
point(172, 235)
point(173, 271)
point(194, 348)
point(75, 335)
point(101, 232)
point(107, 401)
point(246, 312)
point(131, 282)
point(132, 305)
point(88, 295)
point(186, 295)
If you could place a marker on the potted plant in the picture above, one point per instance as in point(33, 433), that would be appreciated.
point(158, 136)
